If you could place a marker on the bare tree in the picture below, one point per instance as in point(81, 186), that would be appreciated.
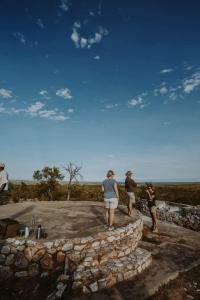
point(73, 172)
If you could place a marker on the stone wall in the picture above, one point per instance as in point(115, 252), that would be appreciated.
point(92, 263)
point(185, 215)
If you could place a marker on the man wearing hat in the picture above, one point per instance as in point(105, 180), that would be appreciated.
point(130, 186)
point(3, 182)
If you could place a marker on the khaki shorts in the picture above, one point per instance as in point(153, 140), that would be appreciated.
point(111, 203)
point(131, 196)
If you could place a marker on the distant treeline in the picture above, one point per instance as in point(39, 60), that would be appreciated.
point(180, 193)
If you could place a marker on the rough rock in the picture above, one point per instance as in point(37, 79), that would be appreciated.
point(47, 262)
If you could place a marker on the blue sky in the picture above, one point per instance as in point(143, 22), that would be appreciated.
point(104, 84)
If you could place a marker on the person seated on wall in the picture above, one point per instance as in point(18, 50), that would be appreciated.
point(111, 198)
point(3, 183)
point(151, 198)
point(130, 186)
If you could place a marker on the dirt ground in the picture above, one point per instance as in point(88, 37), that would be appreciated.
point(186, 286)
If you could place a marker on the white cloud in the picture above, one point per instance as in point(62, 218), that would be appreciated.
point(5, 93)
point(52, 115)
point(138, 101)
point(40, 23)
point(135, 101)
point(83, 42)
point(77, 24)
point(165, 71)
point(173, 96)
point(20, 37)
point(70, 110)
point(91, 13)
point(64, 93)
point(75, 37)
point(44, 94)
point(110, 106)
point(97, 57)
point(64, 5)
point(163, 90)
point(34, 108)
point(192, 83)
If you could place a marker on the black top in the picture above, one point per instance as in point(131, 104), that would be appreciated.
point(151, 198)
point(130, 185)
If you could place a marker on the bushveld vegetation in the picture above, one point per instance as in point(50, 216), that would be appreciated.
point(49, 187)
point(180, 193)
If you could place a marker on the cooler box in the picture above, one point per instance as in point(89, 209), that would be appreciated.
point(8, 228)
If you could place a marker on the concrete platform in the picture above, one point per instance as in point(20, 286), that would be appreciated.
point(65, 219)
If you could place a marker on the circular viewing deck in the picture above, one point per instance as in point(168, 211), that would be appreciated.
point(65, 219)
point(78, 245)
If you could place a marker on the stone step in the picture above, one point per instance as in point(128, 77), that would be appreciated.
point(112, 271)
point(94, 257)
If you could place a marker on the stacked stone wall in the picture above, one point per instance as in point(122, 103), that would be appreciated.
point(187, 216)
point(92, 262)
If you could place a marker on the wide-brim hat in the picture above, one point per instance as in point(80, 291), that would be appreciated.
point(2, 165)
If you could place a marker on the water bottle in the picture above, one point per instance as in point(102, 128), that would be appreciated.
point(38, 234)
point(26, 232)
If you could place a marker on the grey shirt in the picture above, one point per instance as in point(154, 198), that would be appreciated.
point(109, 191)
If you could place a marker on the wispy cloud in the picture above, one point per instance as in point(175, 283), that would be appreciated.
point(40, 23)
point(99, 9)
point(64, 93)
point(110, 106)
point(36, 110)
point(87, 42)
point(52, 115)
point(20, 37)
point(165, 71)
point(137, 101)
point(70, 110)
point(191, 83)
point(65, 5)
point(6, 94)
point(44, 94)
point(163, 89)
point(97, 57)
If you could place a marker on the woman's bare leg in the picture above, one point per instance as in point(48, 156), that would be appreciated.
point(111, 216)
point(107, 216)
point(154, 220)
point(130, 208)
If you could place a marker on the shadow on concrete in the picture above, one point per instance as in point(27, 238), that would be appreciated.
point(22, 212)
point(100, 218)
point(123, 210)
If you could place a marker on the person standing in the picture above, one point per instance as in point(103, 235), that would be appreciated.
point(111, 197)
point(3, 182)
point(151, 198)
point(130, 187)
